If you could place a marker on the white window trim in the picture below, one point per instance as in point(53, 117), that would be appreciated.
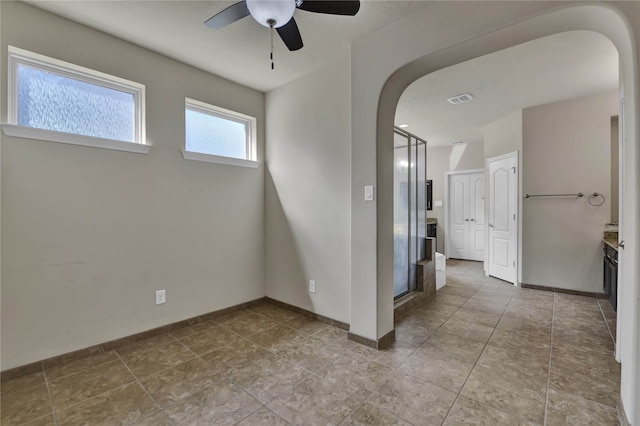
point(25, 57)
point(251, 139)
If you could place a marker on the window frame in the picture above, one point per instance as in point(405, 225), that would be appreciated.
point(248, 121)
point(18, 56)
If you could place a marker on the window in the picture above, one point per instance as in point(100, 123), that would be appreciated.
point(62, 102)
point(218, 135)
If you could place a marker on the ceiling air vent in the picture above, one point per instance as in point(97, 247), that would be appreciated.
point(458, 143)
point(460, 99)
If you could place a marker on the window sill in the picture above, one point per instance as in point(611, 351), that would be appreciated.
point(208, 158)
point(73, 139)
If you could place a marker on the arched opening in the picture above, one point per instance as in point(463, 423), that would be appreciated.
point(598, 18)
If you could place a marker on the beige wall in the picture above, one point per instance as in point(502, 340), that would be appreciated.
point(567, 149)
point(442, 159)
point(307, 191)
point(89, 234)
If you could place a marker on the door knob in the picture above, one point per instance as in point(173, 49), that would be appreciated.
point(491, 225)
point(621, 244)
point(472, 220)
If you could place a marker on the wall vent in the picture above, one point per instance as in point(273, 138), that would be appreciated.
point(460, 99)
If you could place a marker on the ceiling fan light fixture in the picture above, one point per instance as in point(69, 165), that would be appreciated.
point(266, 12)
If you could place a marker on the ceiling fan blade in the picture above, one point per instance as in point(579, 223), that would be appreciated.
point(228, 16)
point(290, 34)
point(339, 7)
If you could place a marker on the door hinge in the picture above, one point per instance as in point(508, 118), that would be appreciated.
point(514, 170)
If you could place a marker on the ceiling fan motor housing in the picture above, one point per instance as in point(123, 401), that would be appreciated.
point(272, 13)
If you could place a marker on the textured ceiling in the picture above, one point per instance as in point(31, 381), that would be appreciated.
point(546, 70)
point(240, 51)
point(550, 69)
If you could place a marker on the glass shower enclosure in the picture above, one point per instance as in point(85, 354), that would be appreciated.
point(409, 209)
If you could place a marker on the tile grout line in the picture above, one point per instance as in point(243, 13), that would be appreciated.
point(546, 397)
point(476, 361)
point(53, 408)
point(606, 323)
point(155, 403)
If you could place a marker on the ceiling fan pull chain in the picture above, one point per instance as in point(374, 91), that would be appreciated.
point(271, 24)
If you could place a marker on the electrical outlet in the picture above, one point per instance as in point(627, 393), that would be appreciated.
point(312, 286)
point(161, 297)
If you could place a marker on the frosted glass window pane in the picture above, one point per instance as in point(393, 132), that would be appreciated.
point(210, 134)
point(54, 102)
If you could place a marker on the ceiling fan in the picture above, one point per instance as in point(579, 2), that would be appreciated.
point(278, 15)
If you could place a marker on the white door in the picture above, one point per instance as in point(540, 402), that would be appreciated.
point(459, 216)
point(503, 224)
point(476, 216)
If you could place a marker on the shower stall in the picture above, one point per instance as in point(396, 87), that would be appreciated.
point(409, 209)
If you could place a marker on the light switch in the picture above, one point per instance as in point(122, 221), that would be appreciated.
point(368, 193)
point(437, 203)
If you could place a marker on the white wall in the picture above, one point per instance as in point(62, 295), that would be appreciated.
point(442, 159)
point(308, 193)
point(89, 234)
point(567, 149)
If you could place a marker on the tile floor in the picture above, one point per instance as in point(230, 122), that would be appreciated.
point(481, 353)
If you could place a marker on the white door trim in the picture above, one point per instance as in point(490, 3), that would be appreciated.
point(514, 155)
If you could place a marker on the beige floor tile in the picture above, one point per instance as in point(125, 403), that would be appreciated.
point(466, 411)
point(539, 325)
point(565, 409)
point(125, 405)
point(147, 361)
point(268, 378)
point(42, 421)
point(503, 392)
point(451, 299)
point(313, 355)
point(180, 382)
point(193, 329)
point(236, 354)
point(456, 291)
point(524, 364)
point(246, 323)
point(469, 330)
point(316, 401)
point(73, 366)
point(413, 400)
point(306, 324)
point(477, 317)
point(454, 346)
point(522, 339)
point(368, 414)
point(598, 339)
point(391, 357)
point(21, 406)
point(159, 418)
point(150, 343)
point(486, 306)
point(438, 369)
point(211, 338)
point(274, 312)
point(279, 338)
point(357, 374)
point(223, 403)
point(436, 307)
point(595, 380)
point(22, 383)
point(88, 383)
point(263, 417)
point(335, 336)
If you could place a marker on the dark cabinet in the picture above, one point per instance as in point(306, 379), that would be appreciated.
point(610, 279)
